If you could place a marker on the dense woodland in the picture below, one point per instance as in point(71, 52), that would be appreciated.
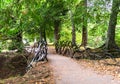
point(78, 29)
point(91, 23)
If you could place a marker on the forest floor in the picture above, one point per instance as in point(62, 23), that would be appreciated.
point(13, 70)
point(59, 70)
point(101, 68)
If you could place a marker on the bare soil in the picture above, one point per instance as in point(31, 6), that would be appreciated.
point(13, 70)
point(12, 64)
point(40, 74)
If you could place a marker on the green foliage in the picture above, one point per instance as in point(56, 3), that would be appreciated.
point(12, 46)
point(117, 38)
point(33, 16)
point(65, 34)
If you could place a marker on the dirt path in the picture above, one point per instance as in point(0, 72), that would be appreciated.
point(67, 71)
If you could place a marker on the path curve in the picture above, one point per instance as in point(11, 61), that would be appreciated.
point(67, 71)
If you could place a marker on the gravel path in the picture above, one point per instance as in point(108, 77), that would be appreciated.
point(67, 71)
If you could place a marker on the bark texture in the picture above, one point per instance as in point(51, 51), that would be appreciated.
point(43, 35)
point(110, 41)
point(84, 29)
point(73, 30)
point(57, 30)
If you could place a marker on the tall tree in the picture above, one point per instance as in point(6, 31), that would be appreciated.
point(84, 28)
point(74, 14)
point(110, 41)
point(57, 30)
point(57, 9)
point(73, 29)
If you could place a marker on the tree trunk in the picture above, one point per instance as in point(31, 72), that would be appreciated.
point(84, 36)
point(84, 29)
point(57, 30)
point(110, 41)
point(42, 35)
point(73, 30)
